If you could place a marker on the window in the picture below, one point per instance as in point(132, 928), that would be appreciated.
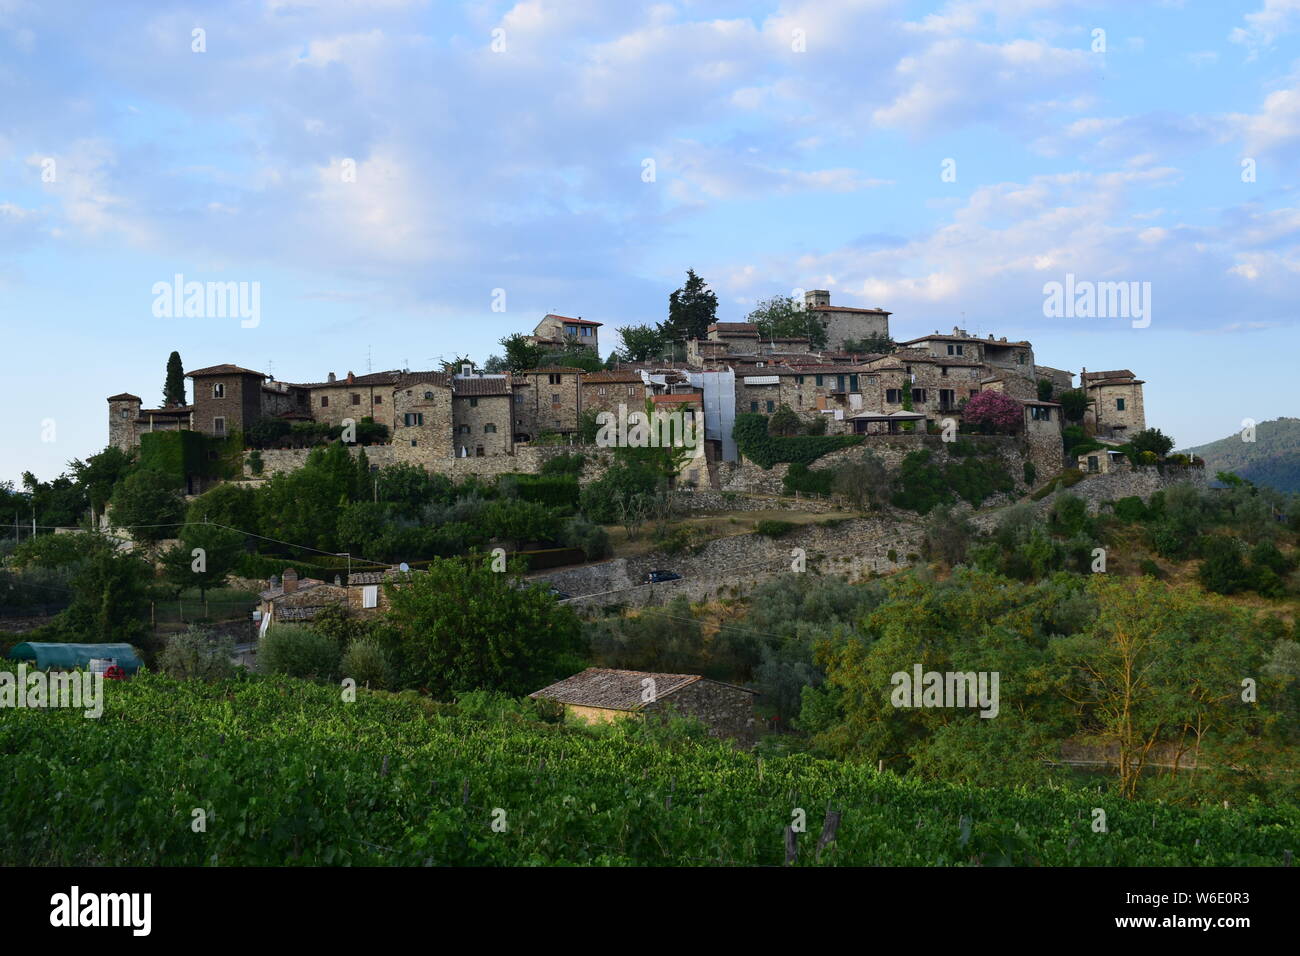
point(818, 381)
point(918, 395)
point(125, 414)
point(631, 390)
point(853, 383)
point(379, 399)
point(1119, 404)
point(771, 406)
point(601, 390)
point(324, 401)
point(478, 451)
point(894, 396)
point(555, 401)
point(943, 371)
point(427, 395)
point(1092, 463)
point(413, 445)
point(218, 426)
point(753, 406)
point(570, 330)
point(554, 379)
point(370, 595)
point(473, 402)
point(587, 331)
point(413, 418)
point(798, 379)
point(356, 398)
point(463, 429)
point(489, 429)
point(218, 390)
point(1038, 413)
point(1020, 358)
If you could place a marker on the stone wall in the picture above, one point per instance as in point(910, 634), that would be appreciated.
point(526, 459)
point(727, 711)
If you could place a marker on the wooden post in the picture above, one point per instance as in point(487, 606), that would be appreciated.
point(791, 845)
point(829, 826)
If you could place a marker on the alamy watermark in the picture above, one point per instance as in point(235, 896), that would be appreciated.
point(657, 429)
point(37, 689)
point(1085, 299)
point(208, 300)
point(946, 689)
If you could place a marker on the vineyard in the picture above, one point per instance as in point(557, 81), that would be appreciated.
point(274, 771)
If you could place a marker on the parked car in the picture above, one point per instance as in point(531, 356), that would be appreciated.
point(556, 593)
point(659, 577)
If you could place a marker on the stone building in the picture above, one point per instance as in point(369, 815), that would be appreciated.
point(1017, 357)
point(127, 421)
point(547, 400)
point(422, 416)
point(560, 330)
point(227, 399)
point(482, 413)
point(845, 323)
point(602, 695)
point(1116, 410)
point(606, 391)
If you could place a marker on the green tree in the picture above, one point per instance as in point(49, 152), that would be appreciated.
point(149, 505)
point(1152, 440)
point(110, 598)
point(1074, 404)
point(784, 421)
point(99, 474)
point(520, 353)
point(1045, 389)
point(460, 626)
point(204, 558)
point(640, 343)
point(783, 317)
point(174, 387)
point(691, 310)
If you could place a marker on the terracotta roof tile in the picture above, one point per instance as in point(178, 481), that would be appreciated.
point(615, 689)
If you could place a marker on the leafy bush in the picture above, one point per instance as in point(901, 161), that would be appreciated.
point(564, 465)
point(774, 529)
point(765, 450)
point(1150, 568)
point(196, 655)
point(297, 650)
point(582, 532)
point(1223, 570)
point(802, 479)
point(1031, 474)
point(1131, 510)
point(367, 663)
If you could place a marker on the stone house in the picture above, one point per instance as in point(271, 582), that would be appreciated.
point(482, 412)
point(227, 399)
point(602, 695)
point(422, 416)
point(1042, 431)
point(127, 421)
point(1116, 410)
point(605, 391)
point(845, 323)
point(296, 600)
point(354, 397)
point(561, 330)
point(1017, 357)
point(547, 400)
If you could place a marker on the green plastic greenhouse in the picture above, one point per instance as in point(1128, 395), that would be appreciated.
point(75, 656)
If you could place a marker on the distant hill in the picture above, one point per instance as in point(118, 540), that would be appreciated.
point(1272, 459)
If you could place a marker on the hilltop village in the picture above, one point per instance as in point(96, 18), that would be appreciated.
point(465, 420)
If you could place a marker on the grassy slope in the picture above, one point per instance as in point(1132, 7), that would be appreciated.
point(289, 774)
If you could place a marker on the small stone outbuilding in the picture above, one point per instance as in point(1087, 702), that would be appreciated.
point(601, 695)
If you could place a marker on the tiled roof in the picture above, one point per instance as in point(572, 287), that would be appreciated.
point(1115, 376)
point(125, 397)
point(609, 378)
point(222, 370)
point(615, 689)
point(747, 329)
point(846, 308)
point(565, 318)
point(171, 410)
point(553, 369)
point(270, 594)
point(480, 387)
point(693, 399)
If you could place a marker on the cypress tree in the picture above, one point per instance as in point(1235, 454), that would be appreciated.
point(174, 388)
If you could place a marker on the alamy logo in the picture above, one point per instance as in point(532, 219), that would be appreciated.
point(77, 690)
point(657, 429)
point(946, 689)
point(102, 909)
point(208, 300)
point(1098, 300)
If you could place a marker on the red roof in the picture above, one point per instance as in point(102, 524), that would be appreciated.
point(222, 370)
point(566, 319)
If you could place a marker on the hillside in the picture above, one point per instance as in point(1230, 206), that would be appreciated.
point(1273, 459)
point(286, 773)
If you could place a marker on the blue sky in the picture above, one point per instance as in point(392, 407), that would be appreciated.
point(502, 146)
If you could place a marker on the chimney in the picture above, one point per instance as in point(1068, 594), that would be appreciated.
point(290, 580)
point(351, 378)
point(330, 377)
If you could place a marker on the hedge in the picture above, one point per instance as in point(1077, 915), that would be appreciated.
point(764, 450)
